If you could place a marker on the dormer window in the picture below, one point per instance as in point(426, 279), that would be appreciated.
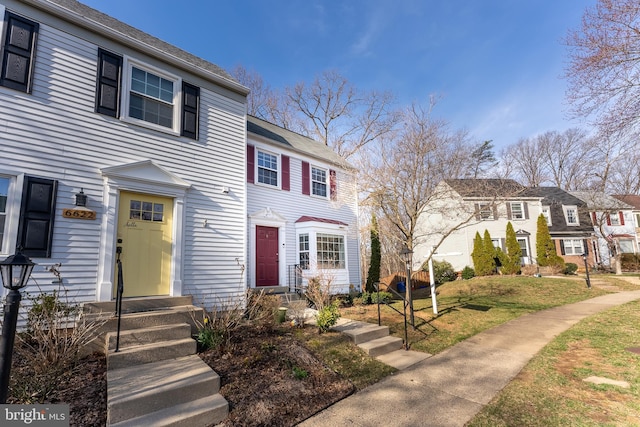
point(571, 215)
point(547, 214)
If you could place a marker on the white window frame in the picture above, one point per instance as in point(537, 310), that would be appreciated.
point(326, 182)
point(484, 209)
point(629, 244)
point(568, 209)
point(637, 218)
point(12, 217)
point(277, 169)
point(546, 212)
point(573, 246)
point(513, 212)
point(129, 63)
point(614, 218)
point(341, 251)
point(304, 250)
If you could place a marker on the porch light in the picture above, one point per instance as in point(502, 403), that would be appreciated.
point(15, 271)
point(81, 198)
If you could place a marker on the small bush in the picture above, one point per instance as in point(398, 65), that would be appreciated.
point(443, 272)
point(468, 273)
point(630, 262)
point(570, 268)
point(384, 297)
point(328, 316)
point(299, 373)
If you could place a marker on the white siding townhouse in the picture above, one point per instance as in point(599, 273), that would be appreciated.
point(463, 207)
point(302, 210)
point(111, 138)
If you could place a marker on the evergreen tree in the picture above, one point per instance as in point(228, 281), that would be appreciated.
point(489, 252)
point(374, 265)
point(513, 253)
point(545, 248)
point(476, 255)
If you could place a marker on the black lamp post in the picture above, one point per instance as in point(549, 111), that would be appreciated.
point(15, 271)
point(407, 256)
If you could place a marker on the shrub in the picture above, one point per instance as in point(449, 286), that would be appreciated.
point(384, 297)
point(318, 291)
point(570, 268)
point(299, 373)
point(630, 262)
point(50, 346)
point(468, 273)
point(328, 316)
point(443, 272)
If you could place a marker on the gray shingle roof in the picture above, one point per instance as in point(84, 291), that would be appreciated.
point(294, 141)
point(110, 27)
point(472, 187)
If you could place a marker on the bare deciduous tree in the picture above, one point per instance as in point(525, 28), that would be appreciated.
point(341, 116)
point(525, 162)
point(604, 67)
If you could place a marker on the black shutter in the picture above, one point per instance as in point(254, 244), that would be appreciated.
point(19, 52)
point(108, 83)
point(190, 107)
point(36, 217)
point(508, 210)
point(495, 211)
point(585, 246)
point(562, 247)
point(476, 206)
point(525, 207)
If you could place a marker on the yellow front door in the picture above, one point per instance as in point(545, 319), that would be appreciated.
point(145, 236)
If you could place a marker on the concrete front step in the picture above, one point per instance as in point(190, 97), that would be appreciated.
point(150, 335)
point(207, 411)
point(130, 305)
point(151, 352)
point(188, 314)
point(144, 389)
point(360, 332)
point(381, 346)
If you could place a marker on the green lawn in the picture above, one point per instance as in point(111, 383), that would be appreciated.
point(466, 307)
point(550, 390)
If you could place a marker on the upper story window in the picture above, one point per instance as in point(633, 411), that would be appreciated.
point(150, 97)
point(637, 216)
point(486, 211)
point(547, 214)
point(571, 215)
point(18, 52)
point(517, 210)
point(267, 168)
point(318, 181)
point(613, 218)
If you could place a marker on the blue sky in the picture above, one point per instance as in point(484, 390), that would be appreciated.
point(496, 64)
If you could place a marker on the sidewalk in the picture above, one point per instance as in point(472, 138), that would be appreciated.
point(451, 387)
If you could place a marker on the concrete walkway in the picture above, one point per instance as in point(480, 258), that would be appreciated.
point(450, 388)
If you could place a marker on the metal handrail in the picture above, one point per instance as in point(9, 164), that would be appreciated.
point(404, 313)
point(120, 291)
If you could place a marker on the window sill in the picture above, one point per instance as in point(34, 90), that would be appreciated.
point(151, 126)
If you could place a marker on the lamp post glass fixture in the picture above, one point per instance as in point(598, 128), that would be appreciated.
point(15, 271)
point(407, 256)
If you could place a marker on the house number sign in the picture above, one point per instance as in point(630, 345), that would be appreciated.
point(79, 213)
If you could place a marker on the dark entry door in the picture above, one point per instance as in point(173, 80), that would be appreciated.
point(266, 256)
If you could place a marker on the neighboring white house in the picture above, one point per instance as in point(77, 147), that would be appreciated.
point(460, 208)
point(154, 137)
point(302, 210)
point(613, 224)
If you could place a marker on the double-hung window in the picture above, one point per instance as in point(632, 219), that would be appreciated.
point(486, 211)
point(318, 182)
point(571, 215)
point(147, 96)
point(517, 210)
point(152, 97)
point(267, 168)
point(573, 247)
point(614, 218)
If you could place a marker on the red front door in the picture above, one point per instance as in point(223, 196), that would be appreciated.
point(266, 256)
